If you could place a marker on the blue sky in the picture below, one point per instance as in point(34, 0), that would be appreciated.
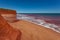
point(32, 6)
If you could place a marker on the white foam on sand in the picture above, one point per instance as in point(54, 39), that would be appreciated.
point(39, 22)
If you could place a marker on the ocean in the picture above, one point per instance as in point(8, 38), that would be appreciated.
point(48, 17)
point(48, 20)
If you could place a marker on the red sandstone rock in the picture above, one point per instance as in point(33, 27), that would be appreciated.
point(7, 32)
point(9, 15)
point(7, 11)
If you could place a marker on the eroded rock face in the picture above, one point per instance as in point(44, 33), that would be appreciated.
point(9, 15)
point(7, 32)
point(7, 11)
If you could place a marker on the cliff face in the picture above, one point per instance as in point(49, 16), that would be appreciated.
point(9, 15)
point(7, 32)
point(7, 11)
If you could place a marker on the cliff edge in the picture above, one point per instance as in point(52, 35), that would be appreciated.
point(7, 32)
point(9, 15)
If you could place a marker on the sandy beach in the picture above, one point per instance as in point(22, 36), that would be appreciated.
point(32, 31)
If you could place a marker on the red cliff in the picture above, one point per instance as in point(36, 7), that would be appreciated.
point(7, 11)
point(7, 32)
point(9, 15)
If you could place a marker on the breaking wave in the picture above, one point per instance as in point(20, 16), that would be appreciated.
point(39, 22)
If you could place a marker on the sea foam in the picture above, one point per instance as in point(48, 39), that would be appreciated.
point(39, 22)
